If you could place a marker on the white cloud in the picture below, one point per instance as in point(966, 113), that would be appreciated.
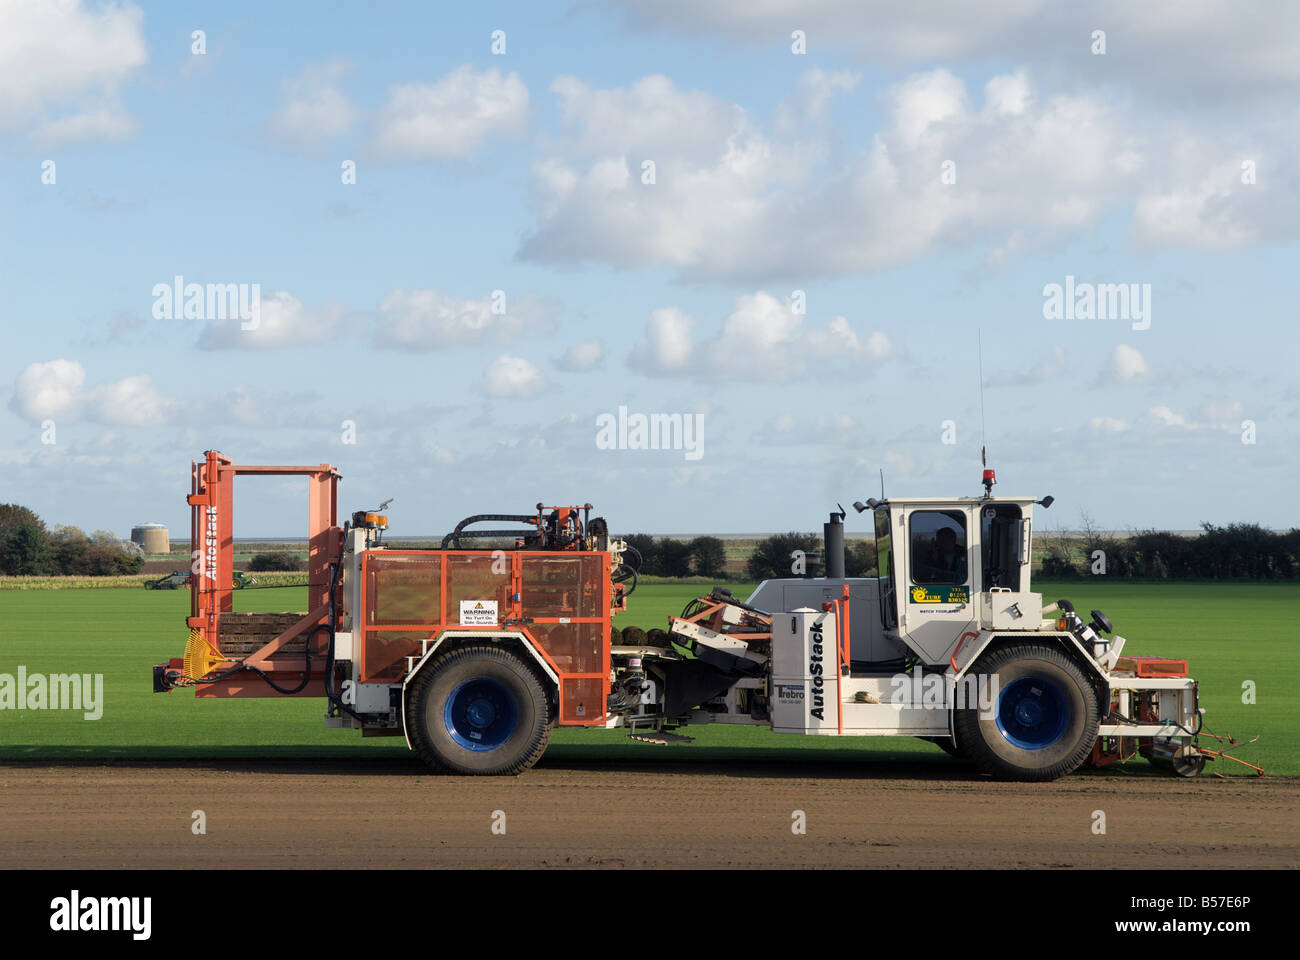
point(49, 390)
point(451, 117)
point(1166, 417)
point(513, 377)
point(733, 203)
point(762, 337)
point(1107, 425)
point(64, 54)
point(1215, 416)
point(1202, 201)
point(651, 117)
point(668, 343)
point(283, 321)
point(56, 390)
point(839, 430)
point(1128, 365)
point(312, 107)
point(1211, 49)
point(1223, 414)
point(1008, 94)
point(583, 355)
point(925, 100)
point(133, 402)
point(812, 95)
point(430, 320)
point(107, 122)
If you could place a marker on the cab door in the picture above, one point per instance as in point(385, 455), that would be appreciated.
point(941, 560)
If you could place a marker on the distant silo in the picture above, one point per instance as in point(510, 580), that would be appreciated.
point(152, 537)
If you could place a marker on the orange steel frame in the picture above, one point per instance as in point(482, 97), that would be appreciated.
point(512, 617)
point(212, 544)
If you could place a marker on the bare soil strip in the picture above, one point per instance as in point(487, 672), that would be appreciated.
point(355, 815)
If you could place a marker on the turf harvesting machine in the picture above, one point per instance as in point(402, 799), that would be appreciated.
point(475, 652)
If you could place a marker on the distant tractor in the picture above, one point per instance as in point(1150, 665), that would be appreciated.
point(176, 579)
point(172, 581)
point(476, 654)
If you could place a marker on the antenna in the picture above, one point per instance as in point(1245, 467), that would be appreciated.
point(882, 483)
point(989, 477)
point(980, 349)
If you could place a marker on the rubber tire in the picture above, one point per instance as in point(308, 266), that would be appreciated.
point(429, 693)
point(993, 753)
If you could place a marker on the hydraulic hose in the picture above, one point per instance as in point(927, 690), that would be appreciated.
point(249, 668)
point(455, 535)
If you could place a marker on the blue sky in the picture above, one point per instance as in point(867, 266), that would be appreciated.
point(780, 178)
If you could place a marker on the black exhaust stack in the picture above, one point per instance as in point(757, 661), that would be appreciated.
point(833, 536)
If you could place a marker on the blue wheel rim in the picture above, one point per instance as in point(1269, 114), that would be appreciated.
point(480, 715)
point(1032, 713)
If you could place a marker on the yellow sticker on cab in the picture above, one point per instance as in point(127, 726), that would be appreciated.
point(940, 594)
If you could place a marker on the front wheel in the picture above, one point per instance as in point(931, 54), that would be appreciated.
point(1042, 720)
point(479, 710)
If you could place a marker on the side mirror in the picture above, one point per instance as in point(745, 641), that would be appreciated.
point(1047, 502)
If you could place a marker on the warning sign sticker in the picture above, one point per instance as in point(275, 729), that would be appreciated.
point(478, 613)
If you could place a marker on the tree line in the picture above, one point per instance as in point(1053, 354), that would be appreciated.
point(1238, 551)
point(27, 548)
point(781, 555)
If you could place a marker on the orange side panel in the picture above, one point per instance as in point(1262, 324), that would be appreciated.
point(559, 600)
point(1153, 666)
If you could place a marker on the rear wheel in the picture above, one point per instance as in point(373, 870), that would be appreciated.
point(479, 710)
point(1043, 722)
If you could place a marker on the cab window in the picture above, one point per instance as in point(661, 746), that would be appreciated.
point(938, 544)
point(1000, 532)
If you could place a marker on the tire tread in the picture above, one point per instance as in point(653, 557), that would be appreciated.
point(967, 728)
point(415, 712)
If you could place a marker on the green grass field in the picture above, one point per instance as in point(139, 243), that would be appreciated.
point(1231, 633)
